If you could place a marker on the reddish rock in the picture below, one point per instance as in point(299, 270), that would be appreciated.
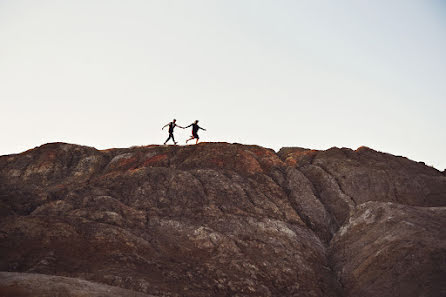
point(219, 219)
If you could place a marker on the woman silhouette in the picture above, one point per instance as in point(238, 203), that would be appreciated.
point(195, 129)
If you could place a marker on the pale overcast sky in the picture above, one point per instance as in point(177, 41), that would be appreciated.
point(313, 74)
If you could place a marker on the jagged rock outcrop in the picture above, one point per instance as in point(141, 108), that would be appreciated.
point(219, 219)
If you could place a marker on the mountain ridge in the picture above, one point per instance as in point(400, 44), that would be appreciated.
point(220, 219)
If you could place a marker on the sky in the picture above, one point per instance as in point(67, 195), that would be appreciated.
point(313, 74)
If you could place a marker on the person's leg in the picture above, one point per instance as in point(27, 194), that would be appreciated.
point(195, 136)
point(170, 136)
point(190, 139)
point(173, 139)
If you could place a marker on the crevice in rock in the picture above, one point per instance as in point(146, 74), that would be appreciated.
point(249, 196)
point(270, 199)
point(105, 161)
point(337, 182)
point(317, 195)
point(395, 194)
point(305, 219)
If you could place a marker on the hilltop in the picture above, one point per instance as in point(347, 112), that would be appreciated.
point(219, 219)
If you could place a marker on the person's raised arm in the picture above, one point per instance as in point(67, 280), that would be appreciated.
point(202, 128)
point(188, 126)
point(164, 126)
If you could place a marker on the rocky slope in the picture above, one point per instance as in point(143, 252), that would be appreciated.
point(219, 219)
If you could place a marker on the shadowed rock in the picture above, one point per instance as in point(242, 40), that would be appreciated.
point(390, 249)
point(39, 285)
point(216, 219)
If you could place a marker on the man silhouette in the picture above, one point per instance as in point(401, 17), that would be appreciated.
point(171, 125)
point(195, 129)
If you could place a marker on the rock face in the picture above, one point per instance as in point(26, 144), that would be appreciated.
point(41, 285)
point(219, 219)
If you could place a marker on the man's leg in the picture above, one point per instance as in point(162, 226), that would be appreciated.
point(170, 136)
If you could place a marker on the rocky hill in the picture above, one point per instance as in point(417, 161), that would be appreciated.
point(219, 219)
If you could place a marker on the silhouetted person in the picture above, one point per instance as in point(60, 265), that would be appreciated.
point(171, 125)
point(195, 129)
